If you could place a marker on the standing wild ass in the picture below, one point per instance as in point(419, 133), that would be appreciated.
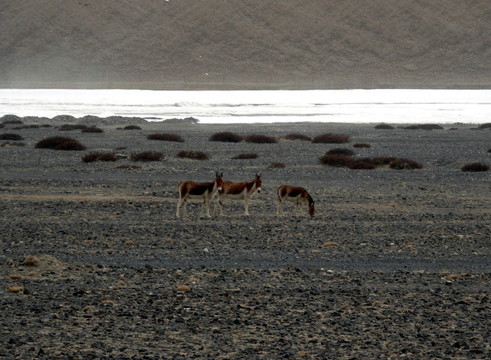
point(296, 194)
point(238, 191)
point(199, 190)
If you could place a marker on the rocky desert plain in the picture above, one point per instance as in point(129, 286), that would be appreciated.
point(94, 263)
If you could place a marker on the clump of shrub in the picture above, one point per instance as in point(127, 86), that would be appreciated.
point(361, 164)
point(296, 136)
point(93, 157)
point(245, 156)
point(71, 127)
point(423, 127)
point(330, 139)
point(404, 164)
point(361, 145)
point(260, 139)
point(277, 165)
point(340, 151)
point(475, 167)
point(32, 126)
point(59, 143)
point(226, 136)
point(340, 159)
point(335, 160)
point(147, 156)
point(13, 137)
point(484, 126)
point(92, 129)
point(165, 137)
point(132, 127)
point(194, 155)
point(384, 127)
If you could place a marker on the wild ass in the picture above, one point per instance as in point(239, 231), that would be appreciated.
point(199, 190)
point(296, 194)
point(238, 191)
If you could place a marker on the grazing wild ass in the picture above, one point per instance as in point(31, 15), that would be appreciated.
point(296, 194)
point(238, 191)
point(199, 190)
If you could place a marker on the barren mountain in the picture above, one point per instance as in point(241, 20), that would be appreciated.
point(171, 44)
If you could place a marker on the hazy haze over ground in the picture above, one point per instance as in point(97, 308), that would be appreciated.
point(246, 44)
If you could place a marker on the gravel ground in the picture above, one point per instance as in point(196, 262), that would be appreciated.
point(94, 263)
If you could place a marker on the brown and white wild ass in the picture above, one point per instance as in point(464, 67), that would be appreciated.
point(199, 190)
point(238, 191)
point(296, 194)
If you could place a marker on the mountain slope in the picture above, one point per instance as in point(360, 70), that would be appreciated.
point(245, 44)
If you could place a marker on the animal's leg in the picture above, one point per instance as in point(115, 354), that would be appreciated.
point(179, 204)
point(215, 210)
point(219, 205)
point(298, 208)
point(279, 210)
point(207, 204)
point(246, 202)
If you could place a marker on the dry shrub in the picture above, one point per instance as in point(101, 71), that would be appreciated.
point(260, 139)
point(92, 129)
point(383, 160)
point(2, 126)
point(132, 127)
point(32, 126)
point(384, 127)
point(165, 137)
point(13, 137)
point(298, 137)
point(245, 156)
point(59, 143)
point(404, 164)
point(330, 139)
point(99, 157)
point(73, 145)
point(340, 160)
point(226, 136)
point(423, 127)
point(361, 145)
point(335, 160)
point(484, 126)
point(147, 156)
point(475, 167)
point(194, 155)
point(361, 164)
point(71, 127)
point(277, 165)
point(340, 151)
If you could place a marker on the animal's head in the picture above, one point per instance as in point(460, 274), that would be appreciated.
point(219, 182)
point(311, 208)
point(258, 182)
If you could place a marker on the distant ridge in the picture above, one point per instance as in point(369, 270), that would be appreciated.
point(245, 44)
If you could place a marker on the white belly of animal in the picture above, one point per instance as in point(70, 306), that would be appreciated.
point(239, 196)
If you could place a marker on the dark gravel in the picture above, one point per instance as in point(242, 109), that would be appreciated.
point(395, 264)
